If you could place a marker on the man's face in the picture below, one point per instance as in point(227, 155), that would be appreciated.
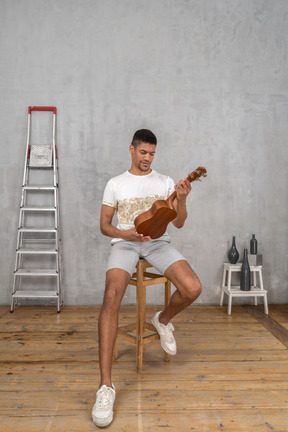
point(142, 156)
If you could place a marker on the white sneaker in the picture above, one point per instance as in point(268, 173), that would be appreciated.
point(165, 332)
point(102, 412)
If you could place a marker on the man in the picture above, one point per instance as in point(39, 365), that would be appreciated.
point(132, 193)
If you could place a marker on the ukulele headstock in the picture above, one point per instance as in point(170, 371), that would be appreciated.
point(199, 172)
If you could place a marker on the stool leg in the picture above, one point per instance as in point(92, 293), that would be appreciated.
point(141, 329)
point(254, 285)
point(222, 287)
point(141, 301)
point(265, 295)
point(261, 279)
point(229, 292)
point(167, 292)
point(229, 303)
point(266, 304)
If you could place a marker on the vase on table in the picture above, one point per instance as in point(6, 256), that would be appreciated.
point(245, 276)
point(253, 245)
point(233, 254)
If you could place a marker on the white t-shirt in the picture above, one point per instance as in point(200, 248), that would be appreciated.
point(132, 195)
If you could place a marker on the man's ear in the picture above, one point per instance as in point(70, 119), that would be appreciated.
point(131, 149)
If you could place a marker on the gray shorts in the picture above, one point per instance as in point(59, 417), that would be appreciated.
point(159, 253)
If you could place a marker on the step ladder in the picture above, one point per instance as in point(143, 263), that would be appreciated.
point(37, 272)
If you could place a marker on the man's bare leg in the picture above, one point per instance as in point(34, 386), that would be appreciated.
point(116, 284)
point(188, 288)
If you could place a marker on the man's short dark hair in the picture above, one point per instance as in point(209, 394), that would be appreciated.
point(144, 135)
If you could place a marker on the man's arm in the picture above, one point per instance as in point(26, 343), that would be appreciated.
point(110, 230)
point(182, 188)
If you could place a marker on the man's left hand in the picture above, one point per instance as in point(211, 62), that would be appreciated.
point(183, 188)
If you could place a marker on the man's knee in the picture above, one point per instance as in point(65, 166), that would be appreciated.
point(197, 288)
point(114, 291)
point(193, 289)
point(111, 297)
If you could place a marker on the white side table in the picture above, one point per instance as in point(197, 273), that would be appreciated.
point(234, 291)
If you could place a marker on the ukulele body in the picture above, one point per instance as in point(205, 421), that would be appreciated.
point(153, 222)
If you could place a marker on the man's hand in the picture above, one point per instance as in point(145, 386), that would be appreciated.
point(182, 189)
point(111, 231)
point(131, 234)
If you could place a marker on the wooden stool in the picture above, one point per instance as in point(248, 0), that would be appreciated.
point(234, 291)
point(141, 278)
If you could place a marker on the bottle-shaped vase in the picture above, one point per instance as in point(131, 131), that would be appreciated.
point(253, 245)
point(233, 254)
point(245, 276)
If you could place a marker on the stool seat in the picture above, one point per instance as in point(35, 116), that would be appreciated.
point(141, 279)
point(235, 291)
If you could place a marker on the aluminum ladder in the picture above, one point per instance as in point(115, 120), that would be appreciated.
point(37, 272)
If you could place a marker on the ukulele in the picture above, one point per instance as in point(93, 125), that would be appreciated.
point(153, 222)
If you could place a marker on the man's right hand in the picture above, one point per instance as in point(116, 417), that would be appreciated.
point(132, 235)
point(108, 229)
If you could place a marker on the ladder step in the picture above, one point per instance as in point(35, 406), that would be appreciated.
point(37, 230)
point(34, 208)
point(39, 187)
point(35, 294)
point(37, 252)
point(48, 167)
point(36, 272)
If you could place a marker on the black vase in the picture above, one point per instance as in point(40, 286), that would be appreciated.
point(245, 277)
point(233, 254)
point(253, 245)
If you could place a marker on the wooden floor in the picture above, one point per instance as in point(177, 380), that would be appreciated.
point(230, 373)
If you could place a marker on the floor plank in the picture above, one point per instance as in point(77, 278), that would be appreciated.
point(270, 324)
point(230, 373)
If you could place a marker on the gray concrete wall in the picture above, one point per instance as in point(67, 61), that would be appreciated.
point(209, 77)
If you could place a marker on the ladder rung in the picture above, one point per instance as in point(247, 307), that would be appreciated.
point(50, 167)
point(34, 208)
point(37, 230)
point(35, 294)
point(36, 272)
point(37, 252)
point(39, 187)
point(39, 241)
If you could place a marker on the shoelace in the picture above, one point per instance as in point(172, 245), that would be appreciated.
point(104, 398)
point(168, 331)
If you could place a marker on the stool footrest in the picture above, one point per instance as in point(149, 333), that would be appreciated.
point(155, 281)
point(127, 328)
point(149, 326)
point(123, 332)
point(155, 276)
point(128, 337)
point(150, 338)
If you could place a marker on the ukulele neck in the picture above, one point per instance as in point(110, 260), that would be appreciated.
point(191, 177)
